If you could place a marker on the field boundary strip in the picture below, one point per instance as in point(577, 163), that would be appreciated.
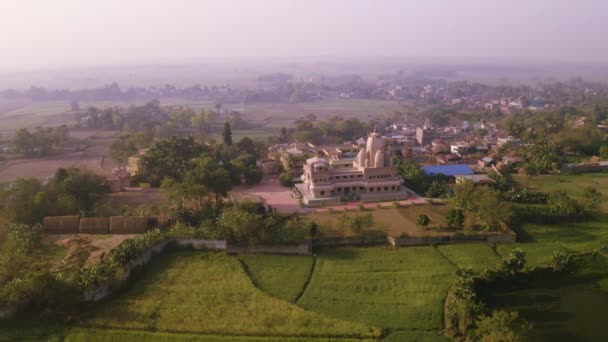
point(445, 257)
point(308, 279)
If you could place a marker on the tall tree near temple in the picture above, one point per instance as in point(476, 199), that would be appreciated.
point(227, 134)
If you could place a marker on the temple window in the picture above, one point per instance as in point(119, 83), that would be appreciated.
point(322, 193)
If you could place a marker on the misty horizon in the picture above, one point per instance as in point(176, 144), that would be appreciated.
point(72, 34)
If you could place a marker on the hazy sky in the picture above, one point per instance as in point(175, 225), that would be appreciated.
point(88, 32)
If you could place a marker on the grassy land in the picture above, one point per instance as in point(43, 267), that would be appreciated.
point(415, 336)
point(572, 184)
point(578, 236)
point(209, 293)
point(398, 289)
point(3, 229)
point(393, 221)
point(537, 254)
point(281, 276)
point(475, 256)
point(104, 335)
point(35, 114)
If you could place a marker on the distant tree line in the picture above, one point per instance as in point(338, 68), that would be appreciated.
point(40, 142)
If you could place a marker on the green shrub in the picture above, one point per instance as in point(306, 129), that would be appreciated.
point(25, 236)
point(285, 179)
point(423, 220)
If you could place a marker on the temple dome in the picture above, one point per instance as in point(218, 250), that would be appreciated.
point(374, 144)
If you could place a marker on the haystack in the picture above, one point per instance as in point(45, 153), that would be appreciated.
point(94, 225)
point(128, 224)
point(61, 224)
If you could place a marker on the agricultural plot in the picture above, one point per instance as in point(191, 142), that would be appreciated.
point(391, 288)
point(105, 335)
point(572, 184)
point(415, 336)
point(537, 254)
point(209, 293)
point(31, 115)
point(283, 276)
point(577, 236)
point(475, 256)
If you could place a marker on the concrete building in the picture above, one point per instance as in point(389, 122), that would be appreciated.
point(371, 177)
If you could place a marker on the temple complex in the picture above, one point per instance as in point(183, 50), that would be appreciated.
point(371, 177)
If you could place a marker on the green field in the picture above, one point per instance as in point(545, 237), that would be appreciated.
point(209, 293)
point(475, 256)
point(577, 236)
point(572, 184)
point(281, 276)
point(392, 288)
point(537, 254)
point(105, 335)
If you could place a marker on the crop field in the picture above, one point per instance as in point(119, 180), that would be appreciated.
point(476, 256)
point(397, 289)
point(194, 292)
point(31, 115)
point(537, 254)
point(572, 184)
point(576, 236)
point(92, 157)
point(281, 276)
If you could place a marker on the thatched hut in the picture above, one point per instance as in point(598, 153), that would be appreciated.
point(61, 224)
point(94, 225)
point(128, 224)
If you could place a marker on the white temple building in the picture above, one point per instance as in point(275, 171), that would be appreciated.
point(372, 177)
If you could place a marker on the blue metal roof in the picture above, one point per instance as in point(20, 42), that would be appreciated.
point(448, 170)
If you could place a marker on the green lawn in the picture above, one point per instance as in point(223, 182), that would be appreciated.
point(209, 293)
point(282, 276)
point(476, 256)
point(391, 288)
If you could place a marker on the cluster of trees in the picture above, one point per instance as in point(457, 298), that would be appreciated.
point(127, 145)
point(150, 118)
point(113, 92)
point(39, 142)
point(480, 205)
point(71, 191)
point(333, 130)
point(185, 161)
point(466, 318)
point(554, 132)
point(417, 180)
